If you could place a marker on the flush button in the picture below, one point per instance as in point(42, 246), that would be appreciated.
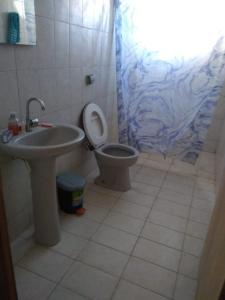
point(90, 79)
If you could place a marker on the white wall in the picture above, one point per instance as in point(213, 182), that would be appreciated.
point(74, 38)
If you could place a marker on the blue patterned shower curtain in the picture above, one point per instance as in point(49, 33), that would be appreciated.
point(170, 71)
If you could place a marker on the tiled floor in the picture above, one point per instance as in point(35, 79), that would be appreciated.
point(143, 244)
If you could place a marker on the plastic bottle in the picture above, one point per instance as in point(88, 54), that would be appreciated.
point(13, 123)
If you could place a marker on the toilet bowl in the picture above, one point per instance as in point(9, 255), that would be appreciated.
point(113, 160)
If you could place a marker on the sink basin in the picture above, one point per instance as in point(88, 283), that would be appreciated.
point(41, 148)
point(44, 142)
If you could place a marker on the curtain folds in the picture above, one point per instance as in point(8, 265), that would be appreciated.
point(170, 71)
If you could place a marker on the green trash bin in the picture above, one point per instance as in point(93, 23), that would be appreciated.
point(70, 189)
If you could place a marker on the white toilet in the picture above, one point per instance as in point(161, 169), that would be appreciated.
point(113, 160)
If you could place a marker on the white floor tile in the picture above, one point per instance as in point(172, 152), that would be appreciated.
point(104, 258)
point(138, 198)
point(114, 238)
point(158, 254)
point(185, 288)
point(95, 213)
point(183, 170)
point(102, 190)
point(170, 221)
point(141, 161)
point(180, 180)
point(69, 245)
point(206, 174)
point(150, 276)
point(128, 291)
point(89, 282)
point(205, 184)
point(19, 247)
point(197, 230)
point(178, 187)
point(171, 208)
point(163, 235)
point(205, 205)
point(160, 165)
point(123, 222)
point(61, 293)
point(79, 226)
point(204, 194)
point(133, 170)
point(31, 286)
point(131, 209)
point(193, 245)
point(144, 155)
point(173, 196)
point(99, 199)
point(154, 261)
point(150, 176)
point(46, 263)
point(145, 188)
point(189, 265)
point(200, 216)
point(160, 157)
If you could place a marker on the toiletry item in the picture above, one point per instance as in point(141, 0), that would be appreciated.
point(6, 136)
point(21, 127)
point(13, 124)
point(46, 125)
point(13, 28)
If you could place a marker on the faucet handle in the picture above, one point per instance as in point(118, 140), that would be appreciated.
point(34, 122)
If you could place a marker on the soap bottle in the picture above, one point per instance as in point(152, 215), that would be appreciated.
point(13, 123)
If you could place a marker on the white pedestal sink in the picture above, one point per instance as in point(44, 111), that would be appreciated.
point(40, 148)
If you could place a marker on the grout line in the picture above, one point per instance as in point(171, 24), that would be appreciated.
point(185, 234)
point(160, 199)
point(131, 253)
point(90, 239)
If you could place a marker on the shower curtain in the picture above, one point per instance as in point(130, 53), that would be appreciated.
point(170, 71)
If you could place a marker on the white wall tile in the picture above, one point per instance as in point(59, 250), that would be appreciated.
point(44, 8)
point(8, 96)
point(7, 58)
point(76, 12)
point(62, 10)
point(67, 50)
point(61, 44)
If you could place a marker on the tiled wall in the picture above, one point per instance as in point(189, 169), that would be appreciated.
point(74, 38)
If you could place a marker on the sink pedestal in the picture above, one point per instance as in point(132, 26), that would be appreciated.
point(45, 206)
point(40, 147)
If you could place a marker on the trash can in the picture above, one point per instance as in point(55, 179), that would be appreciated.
point(70, 189)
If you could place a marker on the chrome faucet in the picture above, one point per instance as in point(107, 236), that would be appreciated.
point(31, 123)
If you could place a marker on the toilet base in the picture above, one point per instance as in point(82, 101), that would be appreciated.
point(117, 179)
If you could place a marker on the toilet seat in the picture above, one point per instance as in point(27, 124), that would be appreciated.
point(95, 125)
point(96, 129)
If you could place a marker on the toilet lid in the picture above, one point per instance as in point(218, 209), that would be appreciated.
point(95, 125)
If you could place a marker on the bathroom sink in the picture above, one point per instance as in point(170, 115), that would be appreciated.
point(44, 142)
point(40, 148)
